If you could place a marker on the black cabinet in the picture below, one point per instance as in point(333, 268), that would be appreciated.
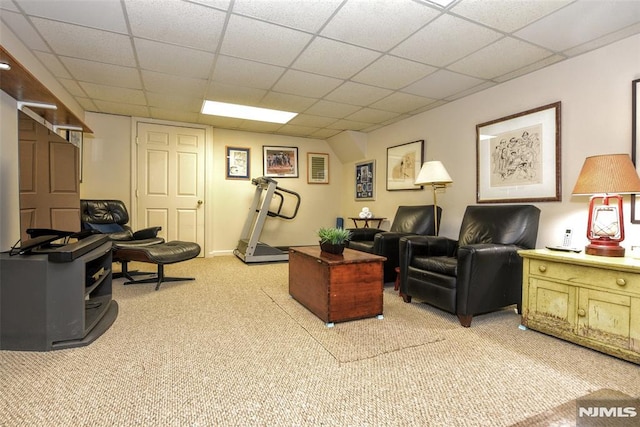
point(59, 298)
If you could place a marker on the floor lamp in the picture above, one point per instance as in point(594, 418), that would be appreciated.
point(434, 173)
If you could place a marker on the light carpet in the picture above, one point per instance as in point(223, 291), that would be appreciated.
point(402, 326)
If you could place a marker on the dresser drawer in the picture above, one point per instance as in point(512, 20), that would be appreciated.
point(620, 281)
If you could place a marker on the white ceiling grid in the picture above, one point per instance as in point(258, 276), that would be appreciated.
point(341, 64)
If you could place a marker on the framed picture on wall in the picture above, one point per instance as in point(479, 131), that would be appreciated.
point(238, 163)
point(635, 145)
point(403, 165)
point(366, 180)
point(317, 168)
point(518, 157)
point(280, 162)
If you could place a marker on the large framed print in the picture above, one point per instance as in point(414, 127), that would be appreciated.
point(366, 180)
point(317, 168)
point(635, 145)
point(280, 162)
point(238, 166)
point(518, 157)
point(403, 165)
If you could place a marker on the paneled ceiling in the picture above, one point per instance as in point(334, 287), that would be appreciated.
point(341, 64)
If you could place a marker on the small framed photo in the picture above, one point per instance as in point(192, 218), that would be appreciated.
point(366, 180)
point(518, 157)
point(238, 163)
point(280, 162)
point(317, 168)
point(403, 165)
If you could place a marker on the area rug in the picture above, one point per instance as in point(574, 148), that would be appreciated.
point(566, 413)
point(402, 326)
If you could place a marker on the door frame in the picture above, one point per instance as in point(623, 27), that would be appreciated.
point(208, 173)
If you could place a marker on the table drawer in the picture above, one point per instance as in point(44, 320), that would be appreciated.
point(613, 280)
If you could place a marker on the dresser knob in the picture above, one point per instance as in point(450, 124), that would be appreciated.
point(621, 282)
point(581, 312)
point(542, 268)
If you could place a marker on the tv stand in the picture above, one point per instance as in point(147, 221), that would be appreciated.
point(58, 297)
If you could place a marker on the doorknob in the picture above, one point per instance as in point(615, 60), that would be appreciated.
point(200, 202)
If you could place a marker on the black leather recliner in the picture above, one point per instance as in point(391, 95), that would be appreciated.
point(478, 273)
point(409, 220)
point(111, 217)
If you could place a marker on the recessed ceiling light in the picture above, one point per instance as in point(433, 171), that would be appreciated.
point(237, 111)
point(5, 66)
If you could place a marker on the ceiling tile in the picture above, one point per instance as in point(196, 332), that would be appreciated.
point(399, 102)
point(176, 60)
point(53, 64)
point(604, 40)
point(325, 133)
point(27, 34)
point(507, 16)
point(174, 102)
point(502, 57)
point(218, 4)
point(433, 44)
point(248, 73)
point(166, 83)
point(306, 84)
point(562, 30)
point(106, 74)
point(114, 94)
point(307, 15)
point(80, 42)
point(370, 115)
point(251, 39)
point(331, 109)
point(357, 94)
point(530, 68)
point(442, 84)
point(174, 115)
point(122, 109)
point(378, 24)
point(234, 94)
point(348, 125)
point(319, 58)
point(104, 15)
point(286, 102)
point(181, 23)
point(393, 73)
point(73, 87)
point(311, 120)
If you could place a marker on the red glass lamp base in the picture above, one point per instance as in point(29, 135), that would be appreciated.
point(606, 248)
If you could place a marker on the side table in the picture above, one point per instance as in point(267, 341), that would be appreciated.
point(356, 220)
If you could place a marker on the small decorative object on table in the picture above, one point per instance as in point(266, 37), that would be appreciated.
point(333, 240)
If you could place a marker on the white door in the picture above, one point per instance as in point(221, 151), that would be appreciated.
point(170, 178)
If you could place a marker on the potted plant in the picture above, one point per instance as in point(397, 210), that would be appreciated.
point(333, 240)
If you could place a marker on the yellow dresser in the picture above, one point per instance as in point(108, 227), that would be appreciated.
point(590, 300)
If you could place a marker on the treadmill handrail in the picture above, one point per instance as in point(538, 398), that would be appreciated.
point(295, 211)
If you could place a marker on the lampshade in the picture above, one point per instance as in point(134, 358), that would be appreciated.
point(607, 174)
point(605, 178)
point(433, 172)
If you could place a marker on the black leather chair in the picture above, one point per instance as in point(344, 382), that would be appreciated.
point(478, 273)
point(111, 217)
point(409, 220)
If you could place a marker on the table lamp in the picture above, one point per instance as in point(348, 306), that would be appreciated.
point(605, 178)
point(435, 174)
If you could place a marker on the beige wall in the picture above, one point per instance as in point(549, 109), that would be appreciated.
point(595, 91)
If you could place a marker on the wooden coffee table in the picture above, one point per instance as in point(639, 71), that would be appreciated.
point(336, 288)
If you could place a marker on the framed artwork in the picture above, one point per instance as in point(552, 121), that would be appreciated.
point(366, 180)
point(238, 164)
point(280, 162)
point(518, 157)
point(635, 144)
point(403, 165)
point(75, 137)
point(317, 168)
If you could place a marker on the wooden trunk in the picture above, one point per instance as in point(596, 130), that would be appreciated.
point(336, 288)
